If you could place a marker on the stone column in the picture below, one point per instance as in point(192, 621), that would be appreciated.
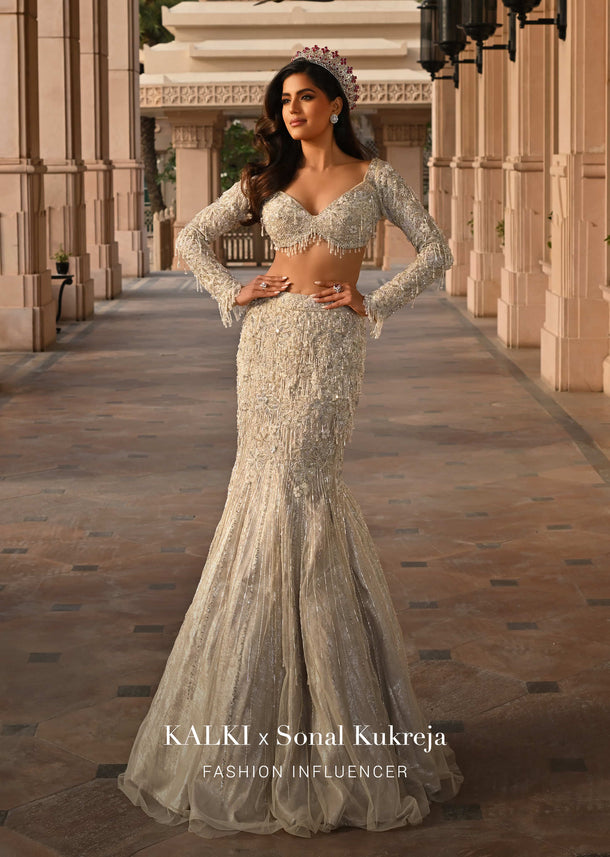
point(27, 307)
point(60, 143)
point(606, 287)
point(443, 149)
point(197, 139)
point(403, 135)
point(462, 165)
point(574, 338)
point(99, 194)
point(487, 255)
point(530, 118)
point(124, 96)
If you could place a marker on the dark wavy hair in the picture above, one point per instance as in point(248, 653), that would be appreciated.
point(281, 155)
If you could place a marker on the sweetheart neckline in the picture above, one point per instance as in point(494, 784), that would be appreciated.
point(326, 207)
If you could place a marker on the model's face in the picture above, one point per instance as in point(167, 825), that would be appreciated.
point(306, 109)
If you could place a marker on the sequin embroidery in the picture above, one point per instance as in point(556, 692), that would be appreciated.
point(346, 224)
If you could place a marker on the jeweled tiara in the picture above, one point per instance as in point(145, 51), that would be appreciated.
point(337, 66)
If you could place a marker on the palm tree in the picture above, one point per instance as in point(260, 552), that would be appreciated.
point(152, 32)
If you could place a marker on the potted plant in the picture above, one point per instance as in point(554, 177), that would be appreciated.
point(62, 261)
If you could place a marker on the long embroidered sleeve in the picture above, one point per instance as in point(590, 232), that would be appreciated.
point(401, 206)
point(193, 246)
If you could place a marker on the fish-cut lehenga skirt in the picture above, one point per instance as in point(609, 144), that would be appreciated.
point(291, 631)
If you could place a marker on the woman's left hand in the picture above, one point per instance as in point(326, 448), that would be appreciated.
point(330, 297)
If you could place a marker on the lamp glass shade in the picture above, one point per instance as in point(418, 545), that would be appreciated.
point(431, 57)
point(479, 18)
point(451, 36)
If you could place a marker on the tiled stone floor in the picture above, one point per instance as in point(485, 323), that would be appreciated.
point(487, 496)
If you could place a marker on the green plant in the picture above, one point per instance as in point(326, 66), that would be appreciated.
point(168, 173)
point(500, 231)
point(237, 149)
point(60, 255)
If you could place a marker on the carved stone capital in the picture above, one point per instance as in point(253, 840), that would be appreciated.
point(406, 135)
point(196, 137)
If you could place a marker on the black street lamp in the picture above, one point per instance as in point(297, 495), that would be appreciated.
point(431, 57)
point(520, 9)
point(446, 24)
point(479, 18)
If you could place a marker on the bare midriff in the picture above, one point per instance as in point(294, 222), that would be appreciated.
point(317, 263)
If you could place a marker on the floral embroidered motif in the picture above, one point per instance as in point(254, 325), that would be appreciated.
point(297, 421)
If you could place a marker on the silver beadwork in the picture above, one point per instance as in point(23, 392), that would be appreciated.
point(345, 225)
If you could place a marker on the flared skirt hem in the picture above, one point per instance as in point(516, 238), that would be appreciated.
point(210, 828)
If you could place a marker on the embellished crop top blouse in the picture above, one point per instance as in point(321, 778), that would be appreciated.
point(346, 224)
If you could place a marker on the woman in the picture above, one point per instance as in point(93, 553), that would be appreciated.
point(286, 702)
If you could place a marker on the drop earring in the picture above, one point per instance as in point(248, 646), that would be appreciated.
point(334, 118)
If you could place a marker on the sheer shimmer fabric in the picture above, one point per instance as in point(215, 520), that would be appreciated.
point(291, 627)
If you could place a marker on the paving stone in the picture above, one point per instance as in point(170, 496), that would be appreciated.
point(542, 687)
point(44, 657)
point(18, 729)
point(435, 655)
point(133, 690)
point(109, 771)
point(459, 812)
point(565, 765)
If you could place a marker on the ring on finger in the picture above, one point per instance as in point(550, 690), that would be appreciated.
point(264, 286)
point(337, 287)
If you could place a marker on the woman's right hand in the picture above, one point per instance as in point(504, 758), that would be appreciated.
point(255, 289)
